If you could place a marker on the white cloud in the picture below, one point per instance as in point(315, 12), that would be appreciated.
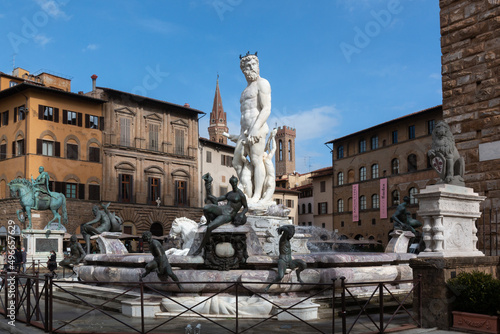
point(158, 26)
point(310, 124)
point(52, 8)
point(435, 76)
point(42, 40)
point(91, 47)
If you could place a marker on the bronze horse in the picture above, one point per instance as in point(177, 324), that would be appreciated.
point(26, 190)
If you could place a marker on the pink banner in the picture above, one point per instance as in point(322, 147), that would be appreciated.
point(355, 202)
point(383, 198)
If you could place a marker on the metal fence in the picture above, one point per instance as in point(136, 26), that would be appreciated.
point(30, 299)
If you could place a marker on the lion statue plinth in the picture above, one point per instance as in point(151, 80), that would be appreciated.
point(444, 156)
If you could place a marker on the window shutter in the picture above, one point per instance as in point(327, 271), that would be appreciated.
point(101, 123)
point(58, 149)
point(81, 191)
point(158, 194)
point(15, 114)
point(131, 189)
point(149, 189)
point(120, 185)
point(6, 118)
point(87, 121)
point(176, 192)
point(39, 146)
point(40, 111)
point(65, 117)
point(56, 115)
point(79, 116)
point(14, 148)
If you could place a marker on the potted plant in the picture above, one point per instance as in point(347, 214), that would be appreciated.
point(476, 305)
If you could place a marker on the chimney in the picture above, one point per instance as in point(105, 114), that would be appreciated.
point(186, 105)
point(94, 77)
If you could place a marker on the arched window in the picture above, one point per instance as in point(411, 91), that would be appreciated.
point(340, 178)
point(362, 174)
point(290, 150)
point(374, 171)
point(412, 163)
point(309, 208)
point(395, 166)
point(413, 199)
point(340, 152)
point(362, 202)
point(340, 205)
point(156, 229)
point(280, 147)
point(303, 208)
point(395, 197)
point(349, 203)
point(350, 176)
point(375, 201)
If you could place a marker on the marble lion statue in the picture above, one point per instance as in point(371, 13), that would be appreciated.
point(185, 229)
point(443, 142)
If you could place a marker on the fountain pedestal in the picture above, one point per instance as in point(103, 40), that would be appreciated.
point(449, 215)
point(39, 243)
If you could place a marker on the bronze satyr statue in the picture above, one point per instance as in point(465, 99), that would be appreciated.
point(109, 222)
point(218, 215)
point(402, 218)
point(444, 156)
point(160, 262)
point(76, 255)
point(285, 258)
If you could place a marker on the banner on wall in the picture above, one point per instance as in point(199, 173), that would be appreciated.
point(355, 202)
point(383, 198)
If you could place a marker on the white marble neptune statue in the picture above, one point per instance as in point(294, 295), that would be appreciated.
point(250, 153)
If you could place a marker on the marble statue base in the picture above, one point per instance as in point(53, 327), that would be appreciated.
point(399, 241)
point(109, 243)
point(449, 215)
point(39, 243)
point(266, 229)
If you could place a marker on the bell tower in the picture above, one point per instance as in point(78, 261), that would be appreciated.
point(285, 146)
point(218, 120)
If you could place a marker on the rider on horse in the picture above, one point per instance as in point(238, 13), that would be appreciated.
point(40, 185)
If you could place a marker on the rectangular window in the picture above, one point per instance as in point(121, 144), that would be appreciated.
point(309, 224)
point(323, 225)
point(181, 193)
point(48, 148)
point(374, 222)
point(94, 154)
point(12, 83)
point(125, 188)
point(179, 142)
point(209, 157)
point(322, 208)
point(93, 122)
point(322, 186)
point(411, 132)
point(72, 151)
point(394, 136)
point(374, 142)
point(70, 117)
point(430, 126)
point(3, 151)
point(5, 118)
point(71, 190)
point(153, 137)
point(19, 113)
point(222, 191)
point(19, 147)
point(94, 192)
point(48, 113)
point(278, 201)
point(154, 190)
point(342, 223)
point(362, 146)
point(289, 203)
point(124, 131)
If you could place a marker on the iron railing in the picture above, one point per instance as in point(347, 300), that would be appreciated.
point(33, 299)
point(488, 232)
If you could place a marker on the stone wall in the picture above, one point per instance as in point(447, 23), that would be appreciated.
point(470, 44)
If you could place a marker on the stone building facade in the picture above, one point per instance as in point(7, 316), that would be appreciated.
point(322, 196)
point(375, 168)
point(470, 46)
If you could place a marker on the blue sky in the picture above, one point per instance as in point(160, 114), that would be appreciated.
point(335, 67)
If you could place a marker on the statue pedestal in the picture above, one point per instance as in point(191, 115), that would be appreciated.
point(449, 215)
point(39, 243)
point(109, 243)
point(266, 229)
point(399, 241)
